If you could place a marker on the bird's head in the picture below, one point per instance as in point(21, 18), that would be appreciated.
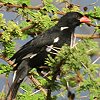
point(73, 19)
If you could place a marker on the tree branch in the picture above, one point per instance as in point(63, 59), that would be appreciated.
point(28, 27)
point(29, 7)
point(24, 29)
point(20, 6)
point(7, 60)
point(83, 36)
point(37, 83)
point(38, 8)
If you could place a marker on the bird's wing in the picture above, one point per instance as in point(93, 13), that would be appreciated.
point(33, 47)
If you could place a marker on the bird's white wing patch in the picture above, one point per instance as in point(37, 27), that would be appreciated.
point(63, 28)
point(14, 76)
point(49, 48)
point(30, 55)
point(33, 55)
point(56, 40)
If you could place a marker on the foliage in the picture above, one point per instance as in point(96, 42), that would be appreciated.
point(77, 70)
point(95, 12)
point(29, 93)
point(96, 15)
point(76, 64)
point(2, 95)
point(16, 1)
point(5, 69)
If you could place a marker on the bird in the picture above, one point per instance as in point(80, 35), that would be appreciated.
point(33, 53)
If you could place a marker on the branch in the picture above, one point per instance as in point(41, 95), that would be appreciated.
point(24, 29)
point(93, 3)
point(90, 24)
point(38, 7)
point(28, 27)
point(29, 7)
point(7, 60)
point(21, 6)
point(83, 36)
point(38, 85)
point(96, 60)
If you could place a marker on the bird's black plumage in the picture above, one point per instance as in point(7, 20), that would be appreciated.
point(33, 53)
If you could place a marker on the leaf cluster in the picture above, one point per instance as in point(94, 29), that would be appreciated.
point(16, 1)
point(95, 14)
point(30, 93)
point(5, 69)
point(76, 68)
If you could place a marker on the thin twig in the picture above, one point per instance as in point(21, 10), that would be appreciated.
point(23, 89)
point(20, 6)
point(83, 36)
point(28, 27)
point(38, 7)
point(93, 3)
point(90, 24)
point(7, 60)
point(95, 60)
point(35, 92)
point(24, 29)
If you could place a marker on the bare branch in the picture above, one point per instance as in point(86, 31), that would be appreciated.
point(83, 36)
point(38, 7)
point(38, 85)
point(93, 3)
point(20, 6)
point(28, 27)
point(7, 60)
point(96, 60)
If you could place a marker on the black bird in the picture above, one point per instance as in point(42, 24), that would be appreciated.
point(33, 53)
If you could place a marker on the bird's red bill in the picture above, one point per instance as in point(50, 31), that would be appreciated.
point(85, 19)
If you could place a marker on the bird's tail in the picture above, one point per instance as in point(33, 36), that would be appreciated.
point(13, 91)
point(21, 73)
